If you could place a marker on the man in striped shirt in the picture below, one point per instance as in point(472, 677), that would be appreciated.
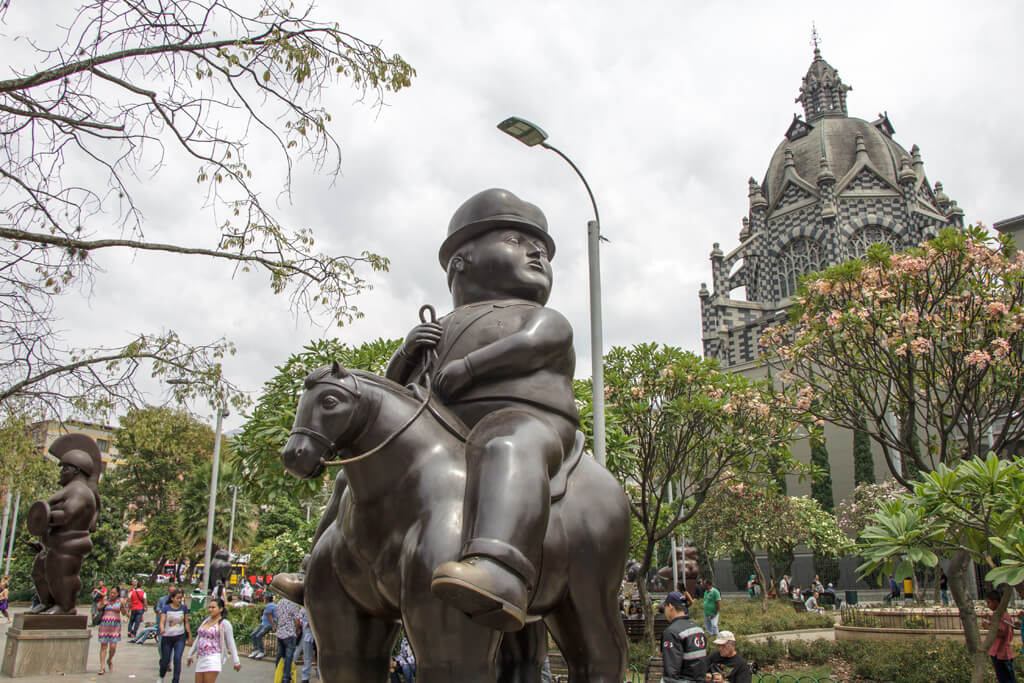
point(683, 644)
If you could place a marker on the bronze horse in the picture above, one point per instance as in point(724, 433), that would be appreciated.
point(399, 515)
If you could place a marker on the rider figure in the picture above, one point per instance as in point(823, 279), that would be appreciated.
point(504, 365)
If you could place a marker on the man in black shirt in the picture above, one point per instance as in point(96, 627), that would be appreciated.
point(683, 644)
point(726, 664)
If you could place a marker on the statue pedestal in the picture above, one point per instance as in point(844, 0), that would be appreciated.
point(40, 644)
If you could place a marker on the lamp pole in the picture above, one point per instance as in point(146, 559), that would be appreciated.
point(231, 533)
point(10, 540)
point(222, 412)
point(530, 134)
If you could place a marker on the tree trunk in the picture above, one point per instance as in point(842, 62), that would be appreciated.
point(645, 599)
point(156, 570)
point(957, 578)
point(760, 577)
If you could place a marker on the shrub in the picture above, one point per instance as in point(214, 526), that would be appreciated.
point(763, 654)
point(916, 621)
point(640, 652)
point(744, 617)
point(907, 662)
point(811, 651)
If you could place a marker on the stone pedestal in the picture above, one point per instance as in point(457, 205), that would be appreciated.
point(41, 644)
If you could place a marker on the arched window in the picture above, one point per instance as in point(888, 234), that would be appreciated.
point(866, 236)
point(801, 256)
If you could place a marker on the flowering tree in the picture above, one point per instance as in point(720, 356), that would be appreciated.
point(752, 518)
point(972, 510)
point(681, 421)
point(924, 345)
point(855, 512)
point(922, 350)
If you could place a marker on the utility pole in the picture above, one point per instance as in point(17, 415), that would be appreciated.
point(7, 516)
point(14, 526)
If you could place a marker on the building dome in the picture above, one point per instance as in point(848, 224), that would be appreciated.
point(837, 139)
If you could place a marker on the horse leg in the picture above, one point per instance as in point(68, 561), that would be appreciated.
point(521, 654)
point(592, 639)
point(352, 646)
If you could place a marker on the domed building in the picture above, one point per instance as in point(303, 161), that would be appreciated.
point(834, 186)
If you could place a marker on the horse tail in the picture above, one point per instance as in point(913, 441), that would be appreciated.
point(331, 511)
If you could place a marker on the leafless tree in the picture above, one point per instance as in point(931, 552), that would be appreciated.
point(133, 81)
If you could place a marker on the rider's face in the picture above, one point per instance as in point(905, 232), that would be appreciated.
point(511, 262)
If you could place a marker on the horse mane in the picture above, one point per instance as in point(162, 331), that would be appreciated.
point(326, 371)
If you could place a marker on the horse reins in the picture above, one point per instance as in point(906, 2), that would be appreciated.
point(332, 446)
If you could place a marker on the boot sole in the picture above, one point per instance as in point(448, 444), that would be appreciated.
point(483, 607)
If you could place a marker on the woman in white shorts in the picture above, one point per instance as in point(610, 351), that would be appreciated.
point(214, 641)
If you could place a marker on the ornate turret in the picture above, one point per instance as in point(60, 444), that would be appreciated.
point(822, 93)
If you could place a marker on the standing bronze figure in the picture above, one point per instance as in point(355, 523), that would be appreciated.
point(63, 523)
point(474, 514)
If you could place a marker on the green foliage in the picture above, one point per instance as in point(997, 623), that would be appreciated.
point(780, 562)
point(907, 662)
point(640, 652)
point(256, 449)
point(765, 653)
point(975, 508)
point(916, 621)
point(744, 617)
point(818, 651)
point(863, 462)
point(821, 484)
point(855, 512)
point(284, 552)
point(277, 520)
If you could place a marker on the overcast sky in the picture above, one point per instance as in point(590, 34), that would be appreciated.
point(667, 107)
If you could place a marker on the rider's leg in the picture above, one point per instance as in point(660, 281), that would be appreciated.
point(510, 456)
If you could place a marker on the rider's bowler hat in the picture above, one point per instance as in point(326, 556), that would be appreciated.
point(490, 209)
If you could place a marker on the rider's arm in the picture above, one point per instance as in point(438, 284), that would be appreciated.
point(545, 337)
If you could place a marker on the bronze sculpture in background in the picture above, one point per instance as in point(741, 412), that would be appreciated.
point(63, 523)
point(473, 515)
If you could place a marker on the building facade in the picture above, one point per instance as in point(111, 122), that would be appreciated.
point(835, 185)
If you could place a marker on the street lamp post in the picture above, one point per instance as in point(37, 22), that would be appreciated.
point(222, 412)
point(231, 532)
point(530, 135)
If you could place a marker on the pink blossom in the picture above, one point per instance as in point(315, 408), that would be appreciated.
point(910, 318)
point(978, 358)
point(997, 308)
point(901, 350)
point(1002, 348)
point(921, 345)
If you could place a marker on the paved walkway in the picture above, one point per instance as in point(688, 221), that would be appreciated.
point(134, 663)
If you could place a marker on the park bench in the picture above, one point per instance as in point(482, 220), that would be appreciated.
point(635, 627)
point(653, 670)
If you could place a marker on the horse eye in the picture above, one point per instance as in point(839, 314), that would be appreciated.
point(329, 402)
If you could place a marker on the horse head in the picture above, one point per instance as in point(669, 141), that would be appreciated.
point(327, 417)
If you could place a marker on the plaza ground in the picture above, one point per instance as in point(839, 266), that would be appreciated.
point(134, 663)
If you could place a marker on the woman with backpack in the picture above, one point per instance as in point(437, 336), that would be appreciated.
point(214, 641)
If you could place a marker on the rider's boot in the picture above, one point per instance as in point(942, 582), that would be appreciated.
point(489, 592)
point(291, 586)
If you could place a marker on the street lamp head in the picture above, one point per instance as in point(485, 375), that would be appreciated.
point(522, 130)
point(179, 381)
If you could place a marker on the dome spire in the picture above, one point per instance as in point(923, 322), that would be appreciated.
point(822, 93)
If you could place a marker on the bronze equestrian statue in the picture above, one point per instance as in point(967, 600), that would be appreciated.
point(63, 523)
point(466, 509)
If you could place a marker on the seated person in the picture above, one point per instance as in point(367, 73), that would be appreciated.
point(812, 604)
point(150, 631)
point(726, 664)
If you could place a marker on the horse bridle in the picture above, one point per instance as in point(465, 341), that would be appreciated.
point(331, 447)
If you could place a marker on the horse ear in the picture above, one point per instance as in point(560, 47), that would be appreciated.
point(337, 370)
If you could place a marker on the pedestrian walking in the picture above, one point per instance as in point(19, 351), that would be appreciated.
point(288, 628)
point(214, 642)
point(174, 631)
point(1001, 652)
point(712, 605)
point(268, 623)
point(3, 600)
point(309, 666)
point(112, 609)
point(137, 605)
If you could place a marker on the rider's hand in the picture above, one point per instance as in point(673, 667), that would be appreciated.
point(453, 379)
point(425, 335)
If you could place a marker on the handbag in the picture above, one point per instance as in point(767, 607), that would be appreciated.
point(97, 617)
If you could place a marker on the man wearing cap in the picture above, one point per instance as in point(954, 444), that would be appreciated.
point(504, 364)
point(726, 664)
point(63, 523)
point(683, 645)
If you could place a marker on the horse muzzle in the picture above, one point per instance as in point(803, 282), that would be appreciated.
point(303, 458)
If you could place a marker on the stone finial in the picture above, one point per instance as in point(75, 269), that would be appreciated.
point(907, 174)
point(955, 210)
point(941, 199)
point(862, 149)
point(825, 174)
point(716, 251)
point(757, 200)
point(790, 161)
point(915, 156)
point(745, 230)
point(704, 292)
